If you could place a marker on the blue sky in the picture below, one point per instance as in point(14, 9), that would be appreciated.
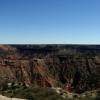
point(50, 21)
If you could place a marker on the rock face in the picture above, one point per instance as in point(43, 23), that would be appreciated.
point(71, 67)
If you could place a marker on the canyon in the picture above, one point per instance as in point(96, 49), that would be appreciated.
point(74, 68)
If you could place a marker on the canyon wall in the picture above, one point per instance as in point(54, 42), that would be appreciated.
point(71, 67)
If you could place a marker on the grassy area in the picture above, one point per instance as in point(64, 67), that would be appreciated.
point(34, 93)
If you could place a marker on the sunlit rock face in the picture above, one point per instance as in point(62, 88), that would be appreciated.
point(71, 67)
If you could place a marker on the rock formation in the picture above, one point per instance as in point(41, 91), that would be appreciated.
point(71, 67)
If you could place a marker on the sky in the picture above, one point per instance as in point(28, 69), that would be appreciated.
point(49, 21)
